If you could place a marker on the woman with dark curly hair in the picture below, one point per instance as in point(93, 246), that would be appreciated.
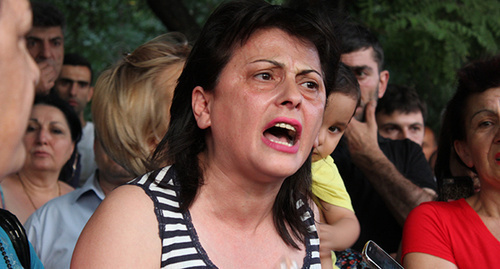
point(233, 190)
point(464, 233)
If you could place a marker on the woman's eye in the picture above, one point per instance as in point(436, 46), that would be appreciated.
point(30, 129)
point(264, 76)
point(485, 123)
point(57, 131)
point(311, 85)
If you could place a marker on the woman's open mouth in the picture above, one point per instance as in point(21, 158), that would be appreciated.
point(283, 134)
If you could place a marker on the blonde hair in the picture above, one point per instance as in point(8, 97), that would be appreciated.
point(131, 102)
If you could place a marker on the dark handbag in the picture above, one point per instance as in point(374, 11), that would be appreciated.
point(13, 227)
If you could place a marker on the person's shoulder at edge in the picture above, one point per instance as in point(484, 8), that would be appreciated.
point(124, 209)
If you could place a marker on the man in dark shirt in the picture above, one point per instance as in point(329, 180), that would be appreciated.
point(385, 178)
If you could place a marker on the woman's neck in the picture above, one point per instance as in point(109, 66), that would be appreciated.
point(236, 200)
point(39, 181)
point(486, 202)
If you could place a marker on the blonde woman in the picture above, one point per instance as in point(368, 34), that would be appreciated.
point(132, 100)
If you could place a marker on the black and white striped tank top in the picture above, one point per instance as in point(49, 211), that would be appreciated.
point(181, 247)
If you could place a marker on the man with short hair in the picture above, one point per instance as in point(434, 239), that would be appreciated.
point(74, 86)
point(45, 42)
point(385, 178)
point(400, 114)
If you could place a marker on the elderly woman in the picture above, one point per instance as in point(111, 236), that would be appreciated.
point(50, 139)
point(464, 233)
point(132, 100)
point(244, 118)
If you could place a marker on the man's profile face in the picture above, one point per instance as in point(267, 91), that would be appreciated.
point(73, 86)
point(400, 125)
point(371, 81)
point(46, 44)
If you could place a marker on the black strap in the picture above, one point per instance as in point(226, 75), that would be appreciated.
point(13, 227)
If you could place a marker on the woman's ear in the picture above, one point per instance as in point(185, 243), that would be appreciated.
point(463, 152)
point(201, 107)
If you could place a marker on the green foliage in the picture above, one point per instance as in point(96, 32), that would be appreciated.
point(426, 41)
point(103, 30)
point(201, 9)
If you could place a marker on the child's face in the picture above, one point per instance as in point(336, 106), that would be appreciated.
point(338, 113)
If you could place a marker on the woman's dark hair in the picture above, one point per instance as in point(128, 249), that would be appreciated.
point(474, 78)
point(229, 27)
point(54, 100)
point(70, 171)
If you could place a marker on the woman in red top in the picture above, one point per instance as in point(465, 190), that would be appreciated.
point(464, 233)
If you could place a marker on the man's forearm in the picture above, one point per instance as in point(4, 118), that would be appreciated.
point(399, 193)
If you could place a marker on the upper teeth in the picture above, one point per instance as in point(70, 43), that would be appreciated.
point(285, 126)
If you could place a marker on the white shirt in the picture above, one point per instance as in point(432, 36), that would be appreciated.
point(86, 150)
point(55, 227)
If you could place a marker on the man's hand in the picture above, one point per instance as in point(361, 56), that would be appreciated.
point(48, 77)
point(362, 136)
point(399, 193)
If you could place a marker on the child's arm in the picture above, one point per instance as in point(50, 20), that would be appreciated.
point(339, 227)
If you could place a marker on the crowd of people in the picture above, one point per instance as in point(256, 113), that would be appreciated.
point(274, 140)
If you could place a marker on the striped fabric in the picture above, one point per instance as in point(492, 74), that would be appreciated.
point(181, 247)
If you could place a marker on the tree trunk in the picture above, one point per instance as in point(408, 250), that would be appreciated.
point(175, 16)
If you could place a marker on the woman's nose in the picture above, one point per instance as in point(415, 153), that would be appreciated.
point(42, 136)
point(291, 95)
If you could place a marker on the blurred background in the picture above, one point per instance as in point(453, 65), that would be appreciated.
point(425, 41)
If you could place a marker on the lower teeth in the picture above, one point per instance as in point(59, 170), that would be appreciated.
point(283, 143)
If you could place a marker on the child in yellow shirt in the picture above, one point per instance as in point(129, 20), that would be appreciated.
point(339, 227)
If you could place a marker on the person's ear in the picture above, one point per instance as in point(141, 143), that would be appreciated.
point(382, 83)
point(90, 93)
point(463, 152)
point(201, 107)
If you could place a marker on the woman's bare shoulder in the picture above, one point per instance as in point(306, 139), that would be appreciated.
point(122, 232)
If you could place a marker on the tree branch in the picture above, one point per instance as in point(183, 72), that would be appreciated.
point(175, 16)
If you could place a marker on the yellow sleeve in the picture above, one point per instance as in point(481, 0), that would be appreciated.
point(327, 184)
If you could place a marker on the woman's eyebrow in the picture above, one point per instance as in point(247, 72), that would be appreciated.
point(278, 64)
point(307, 71)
